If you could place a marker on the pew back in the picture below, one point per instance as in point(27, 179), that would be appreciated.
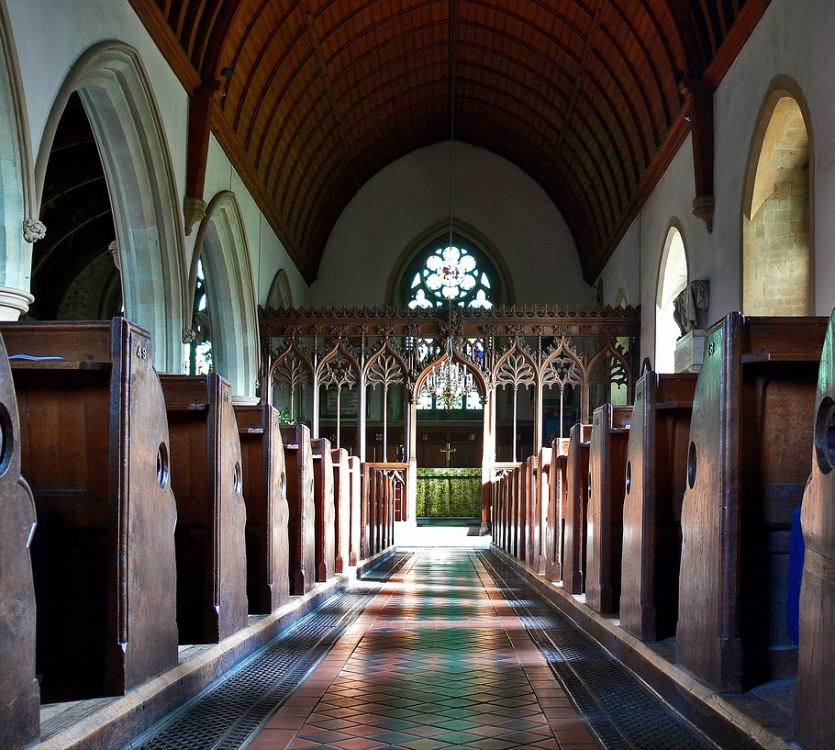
point(19, 691)
point(574, 536)
point(750, 438)
point(342, 507)
point(265, 494)
point(814, 720)
point(325, 512)
point(301, 529)
point(604, 525)
point(207, 477)
point(95, 449)
point(655, 477)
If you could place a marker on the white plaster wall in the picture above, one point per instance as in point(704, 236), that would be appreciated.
point(410, 196)
point(793, 39)
point(267, 254)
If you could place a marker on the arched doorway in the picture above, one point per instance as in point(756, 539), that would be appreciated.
point(672, 280)
point(777, 253)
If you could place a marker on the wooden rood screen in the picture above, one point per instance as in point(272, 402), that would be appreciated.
point(320, 366)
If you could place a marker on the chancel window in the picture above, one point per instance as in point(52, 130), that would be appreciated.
point(450, 270)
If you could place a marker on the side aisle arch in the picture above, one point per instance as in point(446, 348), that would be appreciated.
point(117, 97)
point(222, 246)
point(18, 225)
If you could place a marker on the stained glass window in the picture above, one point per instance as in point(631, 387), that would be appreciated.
point(446, 273)
point(200, 349)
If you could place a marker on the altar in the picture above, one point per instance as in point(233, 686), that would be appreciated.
point(447, 492)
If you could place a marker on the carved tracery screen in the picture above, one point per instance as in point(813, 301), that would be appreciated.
point(324, 365)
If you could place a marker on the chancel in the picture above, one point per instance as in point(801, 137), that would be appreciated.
point(426, 374)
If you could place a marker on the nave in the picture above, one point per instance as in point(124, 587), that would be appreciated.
point(437, 647)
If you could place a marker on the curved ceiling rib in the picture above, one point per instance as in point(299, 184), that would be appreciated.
point(581, 94)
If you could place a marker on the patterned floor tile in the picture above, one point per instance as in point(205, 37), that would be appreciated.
point(439, 660)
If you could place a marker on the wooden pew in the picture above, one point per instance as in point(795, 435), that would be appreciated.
point(543, 493)
point(574, 533)
point(656, 471)
point(298, 459)
point(19, 691)
point(532, 539)
point(95, 449)
point(520, 502)
point(325, 542)
point(342, 507)
point(750, 438)
point(814, 720)
point(207, 478)
point(378, 504)
point(265, 494)
point(355, 486)
point(557, 504)
point(604, 520)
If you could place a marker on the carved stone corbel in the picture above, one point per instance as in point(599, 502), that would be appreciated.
point(33, 230)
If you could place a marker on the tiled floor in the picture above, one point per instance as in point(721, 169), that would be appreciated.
point(437, 660)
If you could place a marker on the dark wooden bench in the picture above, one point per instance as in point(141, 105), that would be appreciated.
point(604, 519)
point(543, 494)
point(558, 490)
point(265, 493)
point(577, 483)
point(656, 471)
point(95, 449)
point(207, 478)
point(814, 720)
point(748, 461)
point(19, 691)
point(298, 460)
point(342, 507)
point(530, 478)
point(325, 543)
point(378, 505)
point(355, 486)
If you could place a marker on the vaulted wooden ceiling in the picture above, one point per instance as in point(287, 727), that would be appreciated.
point(311, 98)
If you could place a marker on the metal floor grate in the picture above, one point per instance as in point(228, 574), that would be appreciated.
point(228, 713)
point(622, 711)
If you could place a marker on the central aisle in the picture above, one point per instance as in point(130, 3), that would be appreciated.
point(438, 659)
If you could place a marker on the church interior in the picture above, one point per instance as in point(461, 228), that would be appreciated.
point(425, 374)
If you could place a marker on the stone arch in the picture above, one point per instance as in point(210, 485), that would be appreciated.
point(222, 245)
point(777, 234)
point(117, 97)
point(17, 185)
point(672, 279)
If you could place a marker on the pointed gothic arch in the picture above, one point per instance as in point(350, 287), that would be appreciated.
point(118, 99)
point(777, 218)
point(17, 185)
point(673, 277)
point(222, 246)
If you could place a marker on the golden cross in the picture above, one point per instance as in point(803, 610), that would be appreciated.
point(449, 450)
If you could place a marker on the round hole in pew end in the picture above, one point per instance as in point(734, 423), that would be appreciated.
point(6, 440)
point(628, 477)
point(237, 479)
point(691, 466)
point(825, 435)
point(163, 466)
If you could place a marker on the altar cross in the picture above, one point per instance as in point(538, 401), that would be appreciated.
point(449, 450)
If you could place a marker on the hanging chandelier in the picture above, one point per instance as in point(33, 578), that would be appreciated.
point(448, 382)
